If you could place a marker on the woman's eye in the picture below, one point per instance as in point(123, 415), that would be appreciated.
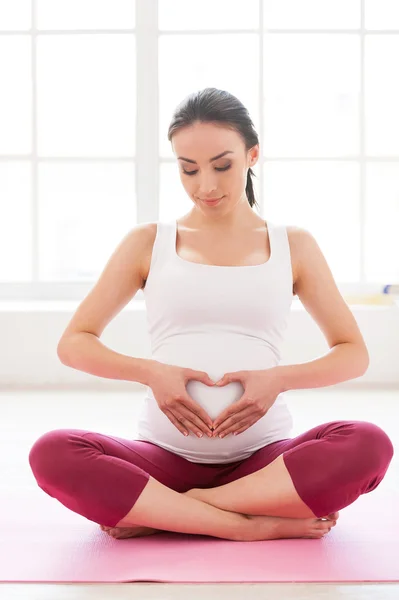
point(216, 169)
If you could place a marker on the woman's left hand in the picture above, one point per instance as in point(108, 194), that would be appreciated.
point(261, 389)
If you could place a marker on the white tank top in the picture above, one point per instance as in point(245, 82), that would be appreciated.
point(216, 319)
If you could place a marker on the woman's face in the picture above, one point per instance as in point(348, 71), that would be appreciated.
point(203, 178)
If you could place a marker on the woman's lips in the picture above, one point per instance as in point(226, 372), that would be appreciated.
point(213, 202)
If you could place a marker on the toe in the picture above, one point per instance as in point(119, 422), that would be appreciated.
point(331, 516)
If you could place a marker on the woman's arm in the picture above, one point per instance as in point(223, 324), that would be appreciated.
point(348, 357)
point(342, 362)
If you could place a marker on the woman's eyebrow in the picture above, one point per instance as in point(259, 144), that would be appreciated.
point(210, 160)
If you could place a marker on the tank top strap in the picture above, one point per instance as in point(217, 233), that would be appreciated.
point(162, 250)
point(279, 245)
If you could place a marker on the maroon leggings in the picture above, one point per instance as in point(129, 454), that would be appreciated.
point(100, 477)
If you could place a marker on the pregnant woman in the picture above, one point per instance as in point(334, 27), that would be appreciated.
point(215, 459)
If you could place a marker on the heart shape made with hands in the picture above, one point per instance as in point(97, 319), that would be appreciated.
point(214, 400)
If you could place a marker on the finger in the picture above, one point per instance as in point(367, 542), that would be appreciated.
point(229, 430)
point(191, 421)
point(236, 408)
point(240, 427)
point(201, 417)
point(233, 420)
point(175, 421)
point(244, 414)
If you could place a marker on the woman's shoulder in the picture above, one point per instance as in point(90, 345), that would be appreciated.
point(297, 238)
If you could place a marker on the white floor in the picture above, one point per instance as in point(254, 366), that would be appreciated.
point(26, 415)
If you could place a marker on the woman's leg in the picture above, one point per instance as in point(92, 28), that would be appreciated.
point(316, 473)
point(108, 480)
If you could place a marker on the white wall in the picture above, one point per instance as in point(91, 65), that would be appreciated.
point(30, 333)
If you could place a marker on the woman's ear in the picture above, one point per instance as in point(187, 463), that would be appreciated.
point(253, 155)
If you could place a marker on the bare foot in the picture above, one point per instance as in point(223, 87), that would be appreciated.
point(264, 528)
point(127, 532)
point(274, 528)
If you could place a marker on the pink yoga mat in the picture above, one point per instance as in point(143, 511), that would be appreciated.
point(44, 542)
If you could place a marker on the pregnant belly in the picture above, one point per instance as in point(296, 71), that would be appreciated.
point(217, 357)
point(155, 426)
point(214, 357)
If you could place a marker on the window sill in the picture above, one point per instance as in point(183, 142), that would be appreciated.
point(139, 305)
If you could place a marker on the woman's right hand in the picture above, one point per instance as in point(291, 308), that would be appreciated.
point(168, 384)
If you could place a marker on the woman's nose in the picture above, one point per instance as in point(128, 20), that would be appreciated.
point(207, 187)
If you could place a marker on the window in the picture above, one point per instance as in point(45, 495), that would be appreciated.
point(88, 91)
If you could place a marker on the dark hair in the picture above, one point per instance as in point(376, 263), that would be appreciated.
point(211, 105)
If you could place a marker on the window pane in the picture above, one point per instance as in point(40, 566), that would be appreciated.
point(382, 95)
point(311, 14)
point(381, 14)
point(382, 223)
point(15, 221)
point(323, 198)
point(15, 14)
point(312, 86)
point(208, 14)
point(15, 95)
point(198, 63)
point(84, 212)
point(86, 14)
point(86, 95)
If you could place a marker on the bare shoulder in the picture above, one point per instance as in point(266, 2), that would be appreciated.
point(149, 232)
point(296, 241)
point(319, 293)
point(305, 252)
point(139, 242)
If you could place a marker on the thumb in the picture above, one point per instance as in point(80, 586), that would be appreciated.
point(207, 380)
point(223, 381)
point(231, 377)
